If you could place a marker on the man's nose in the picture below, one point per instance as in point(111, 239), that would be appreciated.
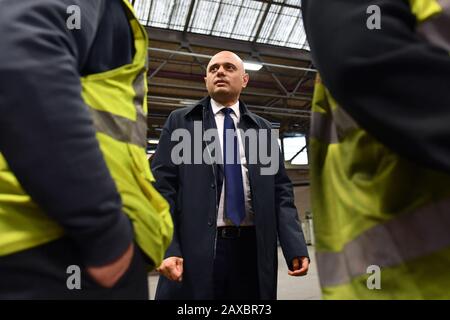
point(221, 70)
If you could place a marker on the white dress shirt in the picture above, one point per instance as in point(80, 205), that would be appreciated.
point(219, 117)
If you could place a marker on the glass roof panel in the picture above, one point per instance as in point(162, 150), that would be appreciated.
point(278, 22)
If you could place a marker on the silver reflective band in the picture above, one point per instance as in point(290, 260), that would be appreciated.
point(120, 128)
point(323, 128)
point(445, 4)
point(437, 29)
point(402, 239)
point(332, 129)
point(139, 89)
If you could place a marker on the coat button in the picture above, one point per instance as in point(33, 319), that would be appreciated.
point(213, 185)
point(210, 223)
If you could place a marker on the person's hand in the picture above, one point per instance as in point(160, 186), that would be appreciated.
point(108, 275)
point(172, 268)
point(300, 267)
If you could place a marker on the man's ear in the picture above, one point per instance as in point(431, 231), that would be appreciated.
point(246, 78)
point(205, 80)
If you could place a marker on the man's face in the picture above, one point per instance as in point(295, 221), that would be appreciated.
point(225, 77)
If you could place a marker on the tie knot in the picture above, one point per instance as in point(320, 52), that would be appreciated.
point(226, 111)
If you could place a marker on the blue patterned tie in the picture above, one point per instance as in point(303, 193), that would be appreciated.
point(234, 189)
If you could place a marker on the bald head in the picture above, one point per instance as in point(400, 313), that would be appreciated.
point(228, 55)
point(225, 77)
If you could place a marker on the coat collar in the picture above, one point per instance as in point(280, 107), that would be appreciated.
point(205, 104)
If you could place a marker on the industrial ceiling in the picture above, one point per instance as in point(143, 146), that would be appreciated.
point(184, 34)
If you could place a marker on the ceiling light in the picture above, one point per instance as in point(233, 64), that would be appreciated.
point(252, 66)
point(153, 141)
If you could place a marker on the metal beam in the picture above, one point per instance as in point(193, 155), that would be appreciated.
point(149, 11)
point(215, 19)
point(248, 93)
point(301, 81)
point(237, 16)
point(271, 102)
point(261, 23)
point(171, 12)
point(301, 150)
point(255, 109)
point(160, 66)
point(293, 28)
point(208, 57)
point(278, 82)
point(192, 101)
point(165, 35)
point(189, 16)
point(276, 21)
point(280, 4)
point(188, 46)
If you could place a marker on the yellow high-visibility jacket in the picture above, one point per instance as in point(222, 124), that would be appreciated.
point(118, 103)
point(377, 214)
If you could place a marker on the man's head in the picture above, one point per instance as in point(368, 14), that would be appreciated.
point(226, 78)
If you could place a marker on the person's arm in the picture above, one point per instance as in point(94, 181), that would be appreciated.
point(46, 133)
point(391, 81)
point(166, 175)
point(290, 232)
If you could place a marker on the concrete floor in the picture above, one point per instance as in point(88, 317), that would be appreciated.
point(289, 288)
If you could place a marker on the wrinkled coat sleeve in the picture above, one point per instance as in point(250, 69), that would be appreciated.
point(290, 232)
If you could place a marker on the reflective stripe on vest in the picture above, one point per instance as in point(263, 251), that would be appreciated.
point(331, 129)
point(121, 128)
point(373, 207)
point(436, 29)
point(386, 245)
point(117, 101)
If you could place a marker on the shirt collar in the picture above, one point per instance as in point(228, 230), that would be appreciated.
point(216, 107)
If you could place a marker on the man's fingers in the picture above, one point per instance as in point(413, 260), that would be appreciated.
point(108, 275)
point(297, 273)
point(296, 270)
point(172, 268)
point(303, 271)
point(295, 264)
point(305, 263)
point(179, 266)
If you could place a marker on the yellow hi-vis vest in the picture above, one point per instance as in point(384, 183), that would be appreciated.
point(118, 102)
point(382, 223)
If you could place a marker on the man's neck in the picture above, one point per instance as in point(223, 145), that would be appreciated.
point(226, 103)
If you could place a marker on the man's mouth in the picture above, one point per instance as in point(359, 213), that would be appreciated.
point(220, 82)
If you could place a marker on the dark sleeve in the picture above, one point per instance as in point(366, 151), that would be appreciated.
point(166, 176)
point(393, 83)
point(46, 133)
point(290, 231)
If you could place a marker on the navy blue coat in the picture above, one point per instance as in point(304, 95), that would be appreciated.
point(193, 191)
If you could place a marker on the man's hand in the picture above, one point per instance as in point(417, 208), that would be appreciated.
point(108, 275)
point(300, 267)
point(172, 268)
